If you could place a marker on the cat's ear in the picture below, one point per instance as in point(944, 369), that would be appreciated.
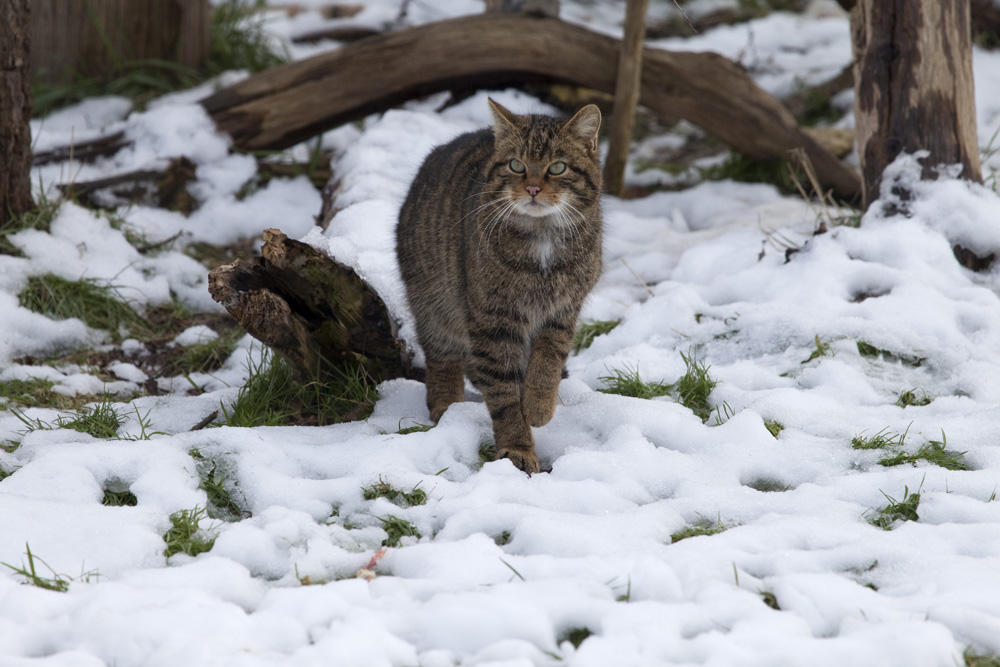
point(584, 126)
point(504, 120)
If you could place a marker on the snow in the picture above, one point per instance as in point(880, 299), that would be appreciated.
point(506, 565)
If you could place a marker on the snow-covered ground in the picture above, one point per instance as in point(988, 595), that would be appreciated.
point(509, 569)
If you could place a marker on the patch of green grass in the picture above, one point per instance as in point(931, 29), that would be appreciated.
point(973, 658)
point(744, 169)
point(100, 421)
point(774, 428)
point(36, 393)
point(416, 428)
point(822, 350)
point(702, 527)
point(575, 636)
point(870, 351)
point(239, 40)
point(691, 390)
point(184, 535)
point(628, 383)
point(589, 330)
point(383, 489)
point(39, 218)
point(273, 396)
point(119, 498)
point(770, 600)
point(487, 453)
point(207, 357)
point(917, 397)
point(4, 473)
point(766, 485)
point(935, 452)
point(99, 305)
point(221, 504)
point(896, 512)
point(397, 528)
point(503, 538)
point(57, 582)
point(881, 440)
point(695, 386)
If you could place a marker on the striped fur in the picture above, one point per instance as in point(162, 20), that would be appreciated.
point(499, 242)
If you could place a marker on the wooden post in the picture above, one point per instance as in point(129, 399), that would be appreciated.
point(913, 86)
point(15, 109)
point(627, 88)
point(86, 38)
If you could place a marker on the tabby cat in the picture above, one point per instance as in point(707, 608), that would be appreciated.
point(499, 242)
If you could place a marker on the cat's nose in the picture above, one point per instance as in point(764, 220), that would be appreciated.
point(532, 189)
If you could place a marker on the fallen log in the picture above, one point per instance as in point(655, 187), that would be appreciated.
point(313, 311)
point(290, 103)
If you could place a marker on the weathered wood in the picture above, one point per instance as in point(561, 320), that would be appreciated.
point(87, 38)
point(290, 103)
point(913, 86)
point(627, 88)
point(15, 109)
point(310, 309)
point(84, 151)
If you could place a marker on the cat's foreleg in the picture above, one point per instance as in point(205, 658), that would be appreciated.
point(496, 367)
point(548, 357)
point(445, 383)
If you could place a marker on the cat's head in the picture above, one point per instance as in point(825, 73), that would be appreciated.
point(545, 166)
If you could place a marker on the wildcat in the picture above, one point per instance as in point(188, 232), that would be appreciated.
point(499, 242)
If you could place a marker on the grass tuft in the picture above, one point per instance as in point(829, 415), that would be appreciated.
point(99, 305)
point(973, 658)
point(37, 393)
point(694, 387)
point(100, 421)
point(383, 489)
point(589, 330)
point(822, 350)
point(917, 397)
point(119, 498)
point(57, 582)
point(575, 636)
point(416, 428)
point(273, 396)
point(397, 528)
point(184, 536)
point(628, 383)
point(881, 440)
point(896, 512)
point(702, 527)
point(39, 218)
point(774, 428)
point(221, 504)
point(935, 452)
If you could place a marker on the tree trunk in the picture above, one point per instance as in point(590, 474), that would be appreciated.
point(290, 103)
point(627, 89)
point(913, 86)
point(15, 110)
point(87, 38)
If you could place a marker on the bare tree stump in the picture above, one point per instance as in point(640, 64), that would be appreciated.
point(86, 38)
point(15, 109)
point(913, 86)
point(290, 103)
point(627, 88)
point(310, 309)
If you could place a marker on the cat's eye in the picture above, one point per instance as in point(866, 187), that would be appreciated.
point(516, 166)
point(557, 168)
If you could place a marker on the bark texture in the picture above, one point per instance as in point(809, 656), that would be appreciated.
point(627, 89)
point(309, 308)
point(913, 86)
point(15, 109)
point(290, 103)
point(86, 38)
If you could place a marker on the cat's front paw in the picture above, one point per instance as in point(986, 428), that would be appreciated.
point(538, 411)
point(523, 459)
